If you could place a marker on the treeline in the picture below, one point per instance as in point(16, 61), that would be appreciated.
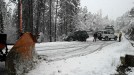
point(125, 23)
point(91, 21)
point(54, 18)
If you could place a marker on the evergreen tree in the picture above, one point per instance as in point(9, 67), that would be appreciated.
point(69, 8)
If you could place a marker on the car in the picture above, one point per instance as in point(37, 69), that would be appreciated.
point(106, 35)
point(77, 36)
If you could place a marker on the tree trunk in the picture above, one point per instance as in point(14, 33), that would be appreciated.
point(28, 15)
point(38, 18)
point(18, 25)
point(31, 15)
point(1, 23)
point(56, 19)
point(44, 17)
point(50, 35)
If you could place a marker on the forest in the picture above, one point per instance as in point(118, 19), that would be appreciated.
point(56, 19)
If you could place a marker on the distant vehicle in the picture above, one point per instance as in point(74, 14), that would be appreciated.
point(106, 35)
point(77, 36)
point(110, 29)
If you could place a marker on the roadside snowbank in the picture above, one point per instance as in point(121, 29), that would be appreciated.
point(102, 62)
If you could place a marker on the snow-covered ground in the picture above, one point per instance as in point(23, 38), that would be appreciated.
point(64, 50)
point(79, 58)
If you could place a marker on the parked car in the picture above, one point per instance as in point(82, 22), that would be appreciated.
point(106, 35)
point(77, 36)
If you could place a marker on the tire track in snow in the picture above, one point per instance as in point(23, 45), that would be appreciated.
point(78, 55)
point(82, 48)
point(85, 47)
point(67, 47)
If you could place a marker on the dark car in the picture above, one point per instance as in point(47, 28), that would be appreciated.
point(77, 36)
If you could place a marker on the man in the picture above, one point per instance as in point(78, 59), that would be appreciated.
point(41, 37)
point(120, 35)
point(95, 37)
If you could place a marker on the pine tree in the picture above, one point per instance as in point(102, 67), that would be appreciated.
point(69, 8)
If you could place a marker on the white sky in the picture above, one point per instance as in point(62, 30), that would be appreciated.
point(112, 8)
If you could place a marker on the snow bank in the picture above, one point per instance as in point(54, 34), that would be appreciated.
point(102, 62)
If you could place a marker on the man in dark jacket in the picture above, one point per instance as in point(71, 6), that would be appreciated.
point(120, 35)
point(95, 37)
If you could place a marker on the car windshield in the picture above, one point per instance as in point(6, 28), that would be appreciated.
point(106, 32)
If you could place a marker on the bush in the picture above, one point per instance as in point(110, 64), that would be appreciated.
point(77, 36)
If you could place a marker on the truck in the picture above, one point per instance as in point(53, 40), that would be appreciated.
point(107, 34)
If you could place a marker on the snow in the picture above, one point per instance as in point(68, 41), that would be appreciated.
point(101, 62)
point(79, 58)
point(64, 50)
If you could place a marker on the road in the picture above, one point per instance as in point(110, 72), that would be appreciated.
point(64, 50)
point(69, 50)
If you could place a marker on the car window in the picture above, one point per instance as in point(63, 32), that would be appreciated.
point(108, 32)
point(105, 32)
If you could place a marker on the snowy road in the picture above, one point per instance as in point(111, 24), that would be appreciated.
point(64, 50)
point(81, 58)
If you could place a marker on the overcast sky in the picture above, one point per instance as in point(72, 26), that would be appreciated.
point(112, 8)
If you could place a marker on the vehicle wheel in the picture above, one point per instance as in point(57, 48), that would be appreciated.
point(115, 38)
point(106, 38)
point(109, 38)
point(100, 38)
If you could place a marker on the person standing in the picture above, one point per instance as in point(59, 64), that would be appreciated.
point(95, 37)
point(120, 35)
point(41, 37)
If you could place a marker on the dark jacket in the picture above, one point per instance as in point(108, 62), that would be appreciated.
point(95, 35)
